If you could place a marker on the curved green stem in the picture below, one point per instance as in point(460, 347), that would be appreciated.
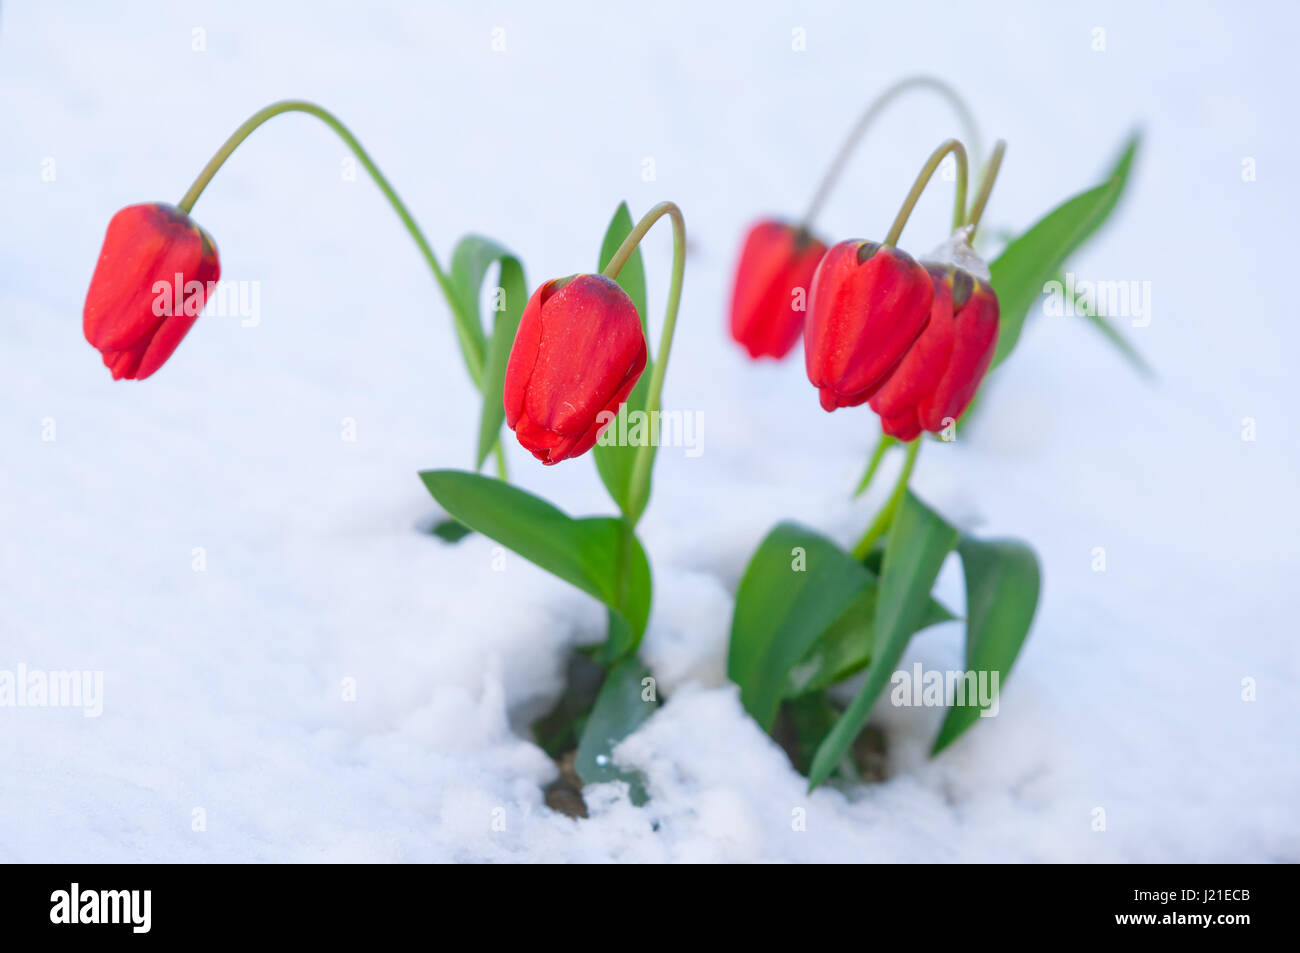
point(986, 186)
point(877, 106)
point(885, 518)
point(923, 179)
point(639, 486)
point(473, 360)
point(877, 456)
point(325, 116)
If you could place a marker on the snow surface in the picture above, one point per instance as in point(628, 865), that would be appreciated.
point(223, 688)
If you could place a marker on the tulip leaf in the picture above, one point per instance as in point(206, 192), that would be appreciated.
point(624, 702)
point(919, 541)
point(632, 278)
point(505, 324)
point(614, 462)
point(470, 262)
point(1002, 583)
point(1032, 260)
point(796, 585)
point(585, 552)
point(845, 648)
point(1119, 173)
point(1029, 262)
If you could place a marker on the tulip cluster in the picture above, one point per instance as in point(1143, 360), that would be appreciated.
point(912, 338)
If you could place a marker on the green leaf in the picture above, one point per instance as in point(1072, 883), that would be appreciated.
point(1119, 173)
point(620, 709)
point(919, 541)
point(797, 584)
point(473, 257)
point(1002, 583)
point(585, 552)
point(632, 278)
point(845, 648)
point(504, 327)
point(613, 462)
point(1033, 259)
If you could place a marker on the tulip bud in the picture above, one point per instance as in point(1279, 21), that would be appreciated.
point(940, 374)
point(777, 262)
point(150, 284)
point(577, 355)
point(869, 303)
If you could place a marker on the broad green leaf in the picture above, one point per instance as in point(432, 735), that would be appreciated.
point(592, 553)
point(1002, 582)
point(614, 463)
point(919, 541)
point(797, 584)
point(621, 707)
point(845, 648)
point(470, 262)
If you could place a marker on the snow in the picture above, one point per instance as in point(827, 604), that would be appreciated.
point(224, 689)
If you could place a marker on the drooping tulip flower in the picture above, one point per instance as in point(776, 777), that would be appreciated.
point(769, 296)
point(150, 283)
point(578, 353)
point(869, 303)
point(940, 374)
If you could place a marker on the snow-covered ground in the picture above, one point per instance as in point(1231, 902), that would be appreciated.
point(223, 690)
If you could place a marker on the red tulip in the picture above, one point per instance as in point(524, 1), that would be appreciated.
point(940, 374)
point(869, 303)
point(578, 353)
point(777, 260)
point(150, 283)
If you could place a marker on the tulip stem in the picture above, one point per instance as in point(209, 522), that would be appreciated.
point(986, 186)
point(325, 116)
point(473, 360)
point(868, 117)
point(885, 518)
point(877, 455)
point(639, 485)
point(923, 179)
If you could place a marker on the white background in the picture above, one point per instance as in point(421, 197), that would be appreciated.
point(222, 688)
